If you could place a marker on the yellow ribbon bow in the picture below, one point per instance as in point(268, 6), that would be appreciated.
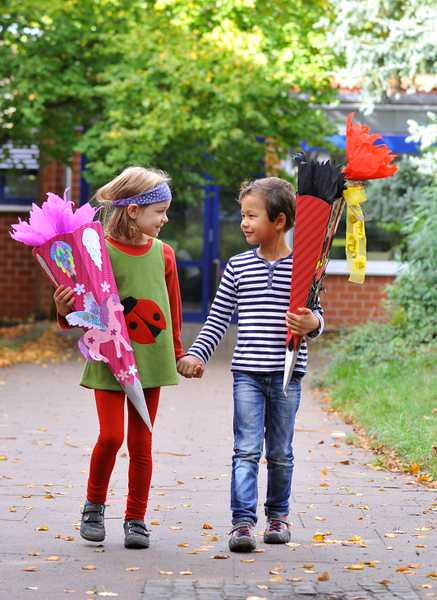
point(355, 232)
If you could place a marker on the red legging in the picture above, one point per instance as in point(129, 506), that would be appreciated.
point(110, 410)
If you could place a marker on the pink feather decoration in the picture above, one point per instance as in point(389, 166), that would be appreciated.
point(54, 217)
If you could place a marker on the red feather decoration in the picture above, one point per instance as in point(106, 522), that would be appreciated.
point(365, 159)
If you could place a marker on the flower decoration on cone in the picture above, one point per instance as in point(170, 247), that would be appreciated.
point(366, 159)
point(71, 250)
point(319, 204)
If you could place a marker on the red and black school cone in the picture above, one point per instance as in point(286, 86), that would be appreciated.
point(318, 208)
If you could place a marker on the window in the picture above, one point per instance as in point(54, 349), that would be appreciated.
point(18, 187)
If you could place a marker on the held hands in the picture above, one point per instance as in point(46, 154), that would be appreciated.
point(64, 300)
point(303, 323)
point(190, 366)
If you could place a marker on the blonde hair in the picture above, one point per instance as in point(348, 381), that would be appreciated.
point(130, 182)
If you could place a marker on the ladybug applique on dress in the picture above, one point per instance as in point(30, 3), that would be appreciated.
point(144, 319)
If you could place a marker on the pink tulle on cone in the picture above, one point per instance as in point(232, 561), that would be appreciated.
point(71, 250)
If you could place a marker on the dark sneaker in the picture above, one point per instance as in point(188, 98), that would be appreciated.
point(242, 538)
point(136, 534)
point(92, 525)
point(277, 532)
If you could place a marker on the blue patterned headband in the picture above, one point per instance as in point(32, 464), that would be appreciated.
point(160, 193)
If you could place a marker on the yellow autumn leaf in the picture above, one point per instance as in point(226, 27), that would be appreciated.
point(355, 567)
point(207, 525)
point(185, 573)
point(42, 528)
point(53, 558)
point(323, 576)
point(319, 537)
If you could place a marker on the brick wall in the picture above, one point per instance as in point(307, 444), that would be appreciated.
point(348, 304)
point(24, 290)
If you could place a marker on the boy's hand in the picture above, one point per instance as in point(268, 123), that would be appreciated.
point(190, 366)
point(303, 323)
point(64, 300)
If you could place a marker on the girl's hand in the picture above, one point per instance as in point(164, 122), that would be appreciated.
point(303, 323)
point(64, 300)
point(190, 366)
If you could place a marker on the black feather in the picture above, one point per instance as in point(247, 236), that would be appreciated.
point(323, 180)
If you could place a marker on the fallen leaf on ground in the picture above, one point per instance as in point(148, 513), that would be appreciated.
point(155, 522)
point(355, 567)
point(220, 556)
point(371, 563)
point(323, 576)
point(3, 457)
point(183, 545)
point(292, 545)
point(308, 566)
point(42, 528)
point(248, 560)
point(432, 574)
point(175, 528)
point(132, 569)
point(207, 525)
point(262, 587)
point(385, 582)
point(166, 573)
point(276, 579)
point(89, 568)
point(107, 594)
point(319, 537)
point(185, 573)
point(53, 558)
point(294, 579)
point(30, 569)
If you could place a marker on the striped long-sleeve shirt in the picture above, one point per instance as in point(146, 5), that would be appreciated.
point(260, 293)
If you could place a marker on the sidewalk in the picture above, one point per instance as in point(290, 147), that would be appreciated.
point(375, 532)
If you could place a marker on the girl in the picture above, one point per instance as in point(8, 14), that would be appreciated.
point(147, 280)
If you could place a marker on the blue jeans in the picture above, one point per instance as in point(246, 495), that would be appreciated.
point(262, 412)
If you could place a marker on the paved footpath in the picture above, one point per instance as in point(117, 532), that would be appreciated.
point(358, 534)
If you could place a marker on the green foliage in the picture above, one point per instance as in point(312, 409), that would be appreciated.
point(415, 291)
point(187, 86)
point(385, 45)
point(393, 198)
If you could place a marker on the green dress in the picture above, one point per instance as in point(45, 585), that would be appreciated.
point(142, 289)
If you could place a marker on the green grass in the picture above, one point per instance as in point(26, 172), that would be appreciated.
point(393, 401)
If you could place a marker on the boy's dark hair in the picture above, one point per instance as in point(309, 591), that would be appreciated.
point(278, 195)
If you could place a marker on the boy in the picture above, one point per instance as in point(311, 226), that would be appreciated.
point(256, 283)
